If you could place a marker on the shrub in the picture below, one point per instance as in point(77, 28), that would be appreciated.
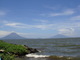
point(11, 50)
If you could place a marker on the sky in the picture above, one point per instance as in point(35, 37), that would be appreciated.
point(40, 18)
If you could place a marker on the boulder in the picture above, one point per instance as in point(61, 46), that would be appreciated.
point(32, 50)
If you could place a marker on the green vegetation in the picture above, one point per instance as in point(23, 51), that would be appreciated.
point(8, 57)
point(9, 51)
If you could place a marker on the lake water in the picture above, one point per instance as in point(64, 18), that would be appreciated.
point(68, 47)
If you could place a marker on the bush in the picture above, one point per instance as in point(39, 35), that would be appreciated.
point(7, 57)
point(11, 50)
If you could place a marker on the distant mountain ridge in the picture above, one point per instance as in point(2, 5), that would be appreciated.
point(60, 36)
point(13, 36)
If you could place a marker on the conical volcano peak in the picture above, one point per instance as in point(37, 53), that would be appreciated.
point(13, 35)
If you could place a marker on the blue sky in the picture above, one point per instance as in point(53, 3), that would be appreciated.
point(40, 18)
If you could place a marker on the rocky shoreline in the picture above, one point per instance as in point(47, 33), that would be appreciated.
point(32, 50)
point(8, 50)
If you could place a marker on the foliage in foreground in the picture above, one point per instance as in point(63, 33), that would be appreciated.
point(12, 50)
point(8, 57)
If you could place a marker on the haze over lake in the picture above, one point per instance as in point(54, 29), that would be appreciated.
point(69, 47)
point(51, 26)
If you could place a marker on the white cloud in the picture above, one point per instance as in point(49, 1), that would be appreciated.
point(26, 35)
point(44, 25)
point(66, 12)
point(3, 33)
point(42, 14)
point(1, 26)
point(61, 28)
point(78, 6)
point(17, 25)
point(28, 26)
point(66, 31)
point(41, 21)
point(35, 35)
point(2, 13)
point(75, 18)
point(52, 7)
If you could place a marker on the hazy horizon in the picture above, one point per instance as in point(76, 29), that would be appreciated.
point(40, 18)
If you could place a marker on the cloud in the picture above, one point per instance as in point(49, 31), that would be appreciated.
point(1, 26)
point(66, 31)
point(75, 18)
point(52, 7)
point(17, 25)
point(66, 12)
point(78, 7)
point(2, 13)
point(63, 13)
point(35, 35)
point(26, 35)
point(28, 26)
point(60, 28)
point(43, 26)
point(41, 21)
point(3, 33)
point(20, 25)
point(42, 14)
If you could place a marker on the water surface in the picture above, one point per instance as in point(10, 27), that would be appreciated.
point(69, 47)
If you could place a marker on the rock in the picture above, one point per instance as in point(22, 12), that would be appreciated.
point(31, 49)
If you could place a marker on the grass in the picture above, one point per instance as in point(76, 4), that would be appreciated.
point(11, 50)
point(8, 57)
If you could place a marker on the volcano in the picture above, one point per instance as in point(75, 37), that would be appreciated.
point(13, 36)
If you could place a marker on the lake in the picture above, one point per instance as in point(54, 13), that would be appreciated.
point(67, 47)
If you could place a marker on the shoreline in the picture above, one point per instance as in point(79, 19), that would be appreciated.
point(45, 57)
point(43, 48)
point(8, 50)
